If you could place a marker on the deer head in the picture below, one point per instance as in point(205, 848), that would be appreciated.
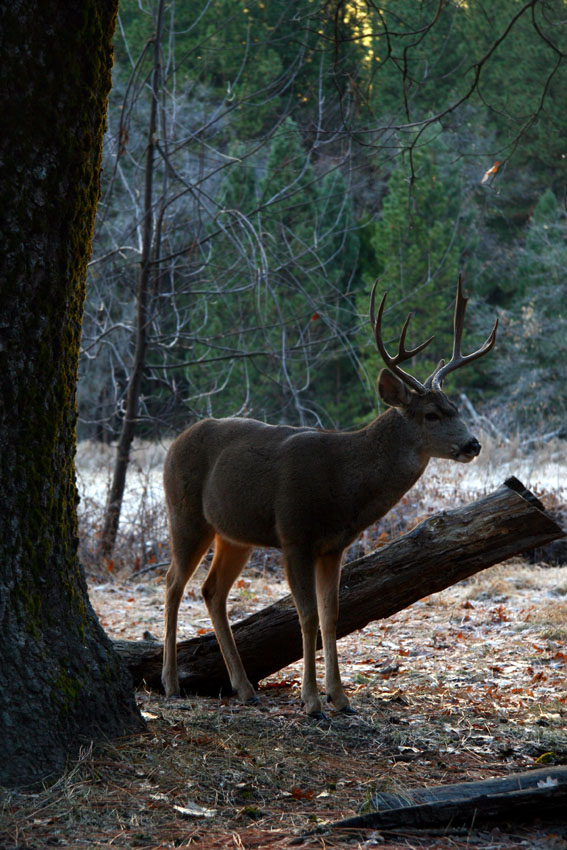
point(428, 414)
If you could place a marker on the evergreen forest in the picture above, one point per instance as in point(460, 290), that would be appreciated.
point(266, 161)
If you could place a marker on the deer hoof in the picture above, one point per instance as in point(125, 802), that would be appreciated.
point(343, 709)
point(319, 716)
point(316, 714)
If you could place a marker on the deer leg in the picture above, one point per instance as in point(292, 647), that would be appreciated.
point(300, 574)
point(228, 562)
point(188, 546)
point(328, 570)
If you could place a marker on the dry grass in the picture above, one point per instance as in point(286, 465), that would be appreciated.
point(142, 535)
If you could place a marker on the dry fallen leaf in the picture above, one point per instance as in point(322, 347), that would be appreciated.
point(491, 171)
point(298, 794)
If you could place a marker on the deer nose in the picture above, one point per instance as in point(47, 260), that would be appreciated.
point(472, 447)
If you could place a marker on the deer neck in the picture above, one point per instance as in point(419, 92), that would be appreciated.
point(393, 460)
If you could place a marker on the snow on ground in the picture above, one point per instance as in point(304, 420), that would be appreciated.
point(94, 463)
point(542, 470)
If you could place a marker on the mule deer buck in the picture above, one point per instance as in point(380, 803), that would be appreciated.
point(242, 483)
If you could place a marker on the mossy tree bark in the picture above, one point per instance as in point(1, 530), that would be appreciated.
point(61, 684)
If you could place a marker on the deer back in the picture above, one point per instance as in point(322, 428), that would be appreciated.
point(259, 484)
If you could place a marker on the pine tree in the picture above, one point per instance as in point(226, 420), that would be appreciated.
point(416, 247)
point(533, 362)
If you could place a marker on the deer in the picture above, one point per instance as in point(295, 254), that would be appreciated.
point(241, 483)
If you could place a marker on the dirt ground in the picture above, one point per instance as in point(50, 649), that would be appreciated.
point(467, 684)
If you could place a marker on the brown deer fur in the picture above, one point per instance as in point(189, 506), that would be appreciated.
point(242, 483)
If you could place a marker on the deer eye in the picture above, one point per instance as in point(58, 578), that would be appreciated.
point(432, 417)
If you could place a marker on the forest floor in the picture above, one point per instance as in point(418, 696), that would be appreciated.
point(466, 684)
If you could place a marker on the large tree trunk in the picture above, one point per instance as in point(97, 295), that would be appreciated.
point(61, 683)
point(438, 553)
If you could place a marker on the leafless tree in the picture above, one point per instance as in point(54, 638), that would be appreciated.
point(189, 245)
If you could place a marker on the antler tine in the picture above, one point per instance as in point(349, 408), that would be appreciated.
point(403, 353)
point(458, 359)
point(433, 375)
point(461, 302)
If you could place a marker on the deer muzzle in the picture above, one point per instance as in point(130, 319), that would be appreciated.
point(471, 449)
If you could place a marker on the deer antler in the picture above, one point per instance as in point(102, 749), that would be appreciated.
point(403, 353)
point(436, 379)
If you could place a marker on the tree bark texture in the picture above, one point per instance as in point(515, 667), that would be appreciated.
point(436, 554)
point(61, 683)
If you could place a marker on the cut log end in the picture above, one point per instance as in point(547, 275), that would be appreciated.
point(516, 485)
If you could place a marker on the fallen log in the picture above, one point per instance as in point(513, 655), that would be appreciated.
point(439, 552)
point(522, 797)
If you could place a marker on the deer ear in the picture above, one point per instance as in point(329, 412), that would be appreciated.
point(393, 391)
